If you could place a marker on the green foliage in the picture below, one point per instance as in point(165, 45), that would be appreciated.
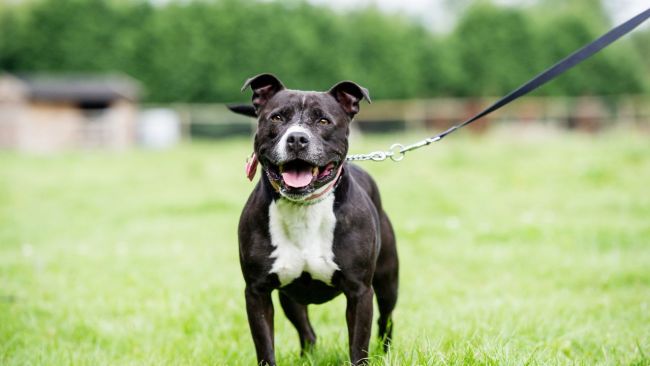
point(617, 70)
point(495, 49)
point(512, 252)
point(201, 51)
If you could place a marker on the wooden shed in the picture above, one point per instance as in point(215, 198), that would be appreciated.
point(44, 113)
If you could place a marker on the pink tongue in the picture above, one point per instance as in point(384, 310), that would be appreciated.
point(297, 179)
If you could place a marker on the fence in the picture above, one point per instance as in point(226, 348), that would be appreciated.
point(582, 113)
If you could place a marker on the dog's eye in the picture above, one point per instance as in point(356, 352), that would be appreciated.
point(324, 121)
point(276, 118)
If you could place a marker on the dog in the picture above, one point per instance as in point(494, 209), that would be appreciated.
point(314, 226)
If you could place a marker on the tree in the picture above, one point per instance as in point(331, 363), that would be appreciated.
point(202, 51)
point(495, 49)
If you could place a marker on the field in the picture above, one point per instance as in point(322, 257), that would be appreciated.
point(514, 251)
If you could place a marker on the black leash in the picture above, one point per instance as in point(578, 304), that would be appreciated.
point(397, 151)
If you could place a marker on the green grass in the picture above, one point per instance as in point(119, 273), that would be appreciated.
point(514, 251)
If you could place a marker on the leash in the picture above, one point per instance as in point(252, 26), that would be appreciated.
point(396, 152)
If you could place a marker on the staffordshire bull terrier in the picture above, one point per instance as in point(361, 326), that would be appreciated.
point(313, 227)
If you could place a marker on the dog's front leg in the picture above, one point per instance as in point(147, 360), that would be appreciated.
point(359, 319)
point(259, 308)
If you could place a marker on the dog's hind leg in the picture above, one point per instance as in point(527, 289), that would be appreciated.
point(385, 282)
point(298, 316)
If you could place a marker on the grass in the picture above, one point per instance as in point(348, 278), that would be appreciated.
point(514, 251)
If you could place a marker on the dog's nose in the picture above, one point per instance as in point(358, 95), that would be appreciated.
point(297, 141)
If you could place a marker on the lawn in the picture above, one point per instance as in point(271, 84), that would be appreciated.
point(514, 250)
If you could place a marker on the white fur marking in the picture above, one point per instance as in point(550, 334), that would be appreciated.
point(302, 237)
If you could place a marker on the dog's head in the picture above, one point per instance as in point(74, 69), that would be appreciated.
point(302, 136)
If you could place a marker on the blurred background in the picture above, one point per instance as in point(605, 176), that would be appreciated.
point(114, 73)
point(523, 239)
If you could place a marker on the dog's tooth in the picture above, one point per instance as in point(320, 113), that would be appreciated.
point(314, 171)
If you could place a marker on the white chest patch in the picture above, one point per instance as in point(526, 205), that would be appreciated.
point(302, 236)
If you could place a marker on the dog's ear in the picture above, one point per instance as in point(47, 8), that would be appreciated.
point(349, 94)
point(264, 87)
point(244, 109)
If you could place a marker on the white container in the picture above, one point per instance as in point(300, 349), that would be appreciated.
point(159, 128)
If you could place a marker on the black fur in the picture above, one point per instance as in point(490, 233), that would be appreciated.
point(364, 242)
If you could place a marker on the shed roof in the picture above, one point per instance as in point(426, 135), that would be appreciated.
point(80, 87)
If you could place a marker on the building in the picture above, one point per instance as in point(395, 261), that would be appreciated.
point(44, 113)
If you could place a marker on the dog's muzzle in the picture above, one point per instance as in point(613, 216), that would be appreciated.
point(302, 181)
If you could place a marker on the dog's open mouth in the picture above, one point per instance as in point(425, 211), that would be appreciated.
point(301, 177)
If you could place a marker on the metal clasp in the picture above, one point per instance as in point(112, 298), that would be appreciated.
point(397, 152)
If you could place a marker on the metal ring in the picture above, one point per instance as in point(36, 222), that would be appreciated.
point(396, 152)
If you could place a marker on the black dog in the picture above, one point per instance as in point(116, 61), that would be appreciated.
point(313, 227)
